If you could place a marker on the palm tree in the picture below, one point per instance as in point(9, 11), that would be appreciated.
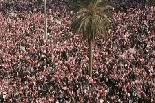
point(90, 18)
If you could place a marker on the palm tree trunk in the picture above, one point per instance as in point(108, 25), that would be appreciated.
point(90, 57)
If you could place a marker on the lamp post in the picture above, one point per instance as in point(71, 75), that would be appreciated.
point(45, 17)
point(45, 35)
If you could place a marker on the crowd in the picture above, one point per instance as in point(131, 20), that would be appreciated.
point(35, 70)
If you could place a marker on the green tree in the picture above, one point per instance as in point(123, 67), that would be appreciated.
point(90, 18)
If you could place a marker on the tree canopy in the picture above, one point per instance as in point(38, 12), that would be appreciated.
point(91, 18)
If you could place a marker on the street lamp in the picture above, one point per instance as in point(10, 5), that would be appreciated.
point(45, 17)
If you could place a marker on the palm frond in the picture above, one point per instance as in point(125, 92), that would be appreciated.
point(76, 6)
point(152, 2)
point(91, 18)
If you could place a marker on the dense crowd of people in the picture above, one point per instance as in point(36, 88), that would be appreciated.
point(35, 70)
